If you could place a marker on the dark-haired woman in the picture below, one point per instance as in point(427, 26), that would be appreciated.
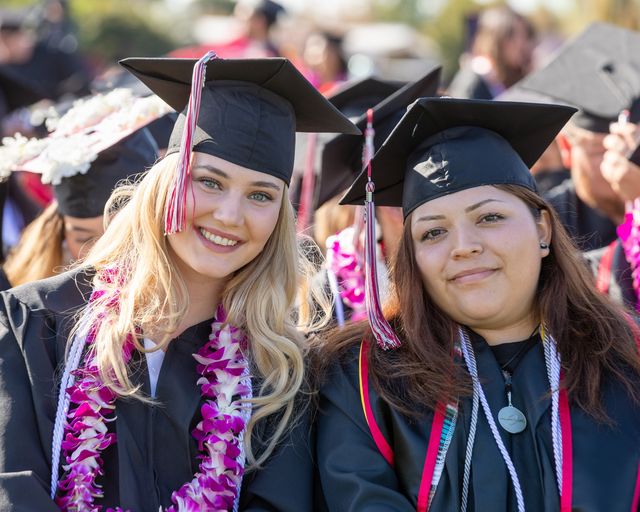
point(513, 384)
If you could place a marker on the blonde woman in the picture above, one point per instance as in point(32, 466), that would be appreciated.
point(169, 365)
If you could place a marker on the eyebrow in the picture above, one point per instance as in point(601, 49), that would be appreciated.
point(467, 210)
point(222, 174)
point(80, 228)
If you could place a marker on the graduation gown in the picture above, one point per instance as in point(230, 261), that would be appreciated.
point(588, 228)
point(355, 476)
point(155, 453)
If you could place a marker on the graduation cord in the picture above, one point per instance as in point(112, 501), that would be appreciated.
point(470, 360)
point(553, 373)
point(560, 420)
point(67, 380)
point(469, 452)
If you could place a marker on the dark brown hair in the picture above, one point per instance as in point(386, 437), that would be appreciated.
point(496, 27)
point(595, 337)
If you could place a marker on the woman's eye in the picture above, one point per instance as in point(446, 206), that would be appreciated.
point(491, 217)
point(260, 196)
point(209, 183)
point(432, 234)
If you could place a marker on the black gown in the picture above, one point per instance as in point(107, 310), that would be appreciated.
point(155, 453)
point(355, 476)
point(588, 228)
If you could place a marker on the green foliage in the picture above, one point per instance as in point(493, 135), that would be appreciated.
point(219, 7)
point(447, 29)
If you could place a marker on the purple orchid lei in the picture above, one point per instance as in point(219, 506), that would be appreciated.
point(343, 261)
point(629, 234)
point(225, 384)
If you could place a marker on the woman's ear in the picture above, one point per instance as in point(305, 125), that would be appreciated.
point(545, 231)
point(565, 150)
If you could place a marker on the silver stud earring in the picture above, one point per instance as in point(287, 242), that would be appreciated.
point(544, 245)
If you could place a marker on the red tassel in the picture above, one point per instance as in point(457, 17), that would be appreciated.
point(308, 183)
point(382, 331)
point(175, 211)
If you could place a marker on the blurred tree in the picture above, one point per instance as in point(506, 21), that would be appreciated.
point(622, 12)
point(120, 28)
point(220, 7)
point(110, 30)
point(445, 25)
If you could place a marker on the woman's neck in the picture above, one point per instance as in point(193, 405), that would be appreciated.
point(204, 297)
point(516, 332)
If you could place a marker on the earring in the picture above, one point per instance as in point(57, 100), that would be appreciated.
point(544, 245)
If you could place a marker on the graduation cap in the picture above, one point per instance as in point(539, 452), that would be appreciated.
point(598, 72)
point(85, 195)
point(444, 145)
point(354, 97)
point(99, 142)
point(342, 156)
point(251, 109)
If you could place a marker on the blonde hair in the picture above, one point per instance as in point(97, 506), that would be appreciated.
point(39, 252)
point(259, 299)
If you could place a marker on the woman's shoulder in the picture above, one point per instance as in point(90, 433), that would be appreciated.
point(62, 293)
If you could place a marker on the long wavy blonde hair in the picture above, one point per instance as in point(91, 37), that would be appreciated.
point(259, 298)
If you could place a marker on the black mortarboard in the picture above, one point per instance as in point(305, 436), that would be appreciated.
point(85, 195)
point(444, 145)
point(354, 97)
point(342, 155)
point(598, 72)
point(18, 91)
point(250, 108)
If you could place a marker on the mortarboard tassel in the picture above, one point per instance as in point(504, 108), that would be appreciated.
point(308, 183)
point(382, 331)
point(176, 214)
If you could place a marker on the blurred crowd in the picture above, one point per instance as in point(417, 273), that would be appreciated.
point(590, 174)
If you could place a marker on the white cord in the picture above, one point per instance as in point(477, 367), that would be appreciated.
point(67, 380)
point(469, 357)
point(469, 452)
point(552, 360)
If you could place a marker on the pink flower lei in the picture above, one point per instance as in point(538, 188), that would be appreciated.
point(629, 233)
point(226, 386)
point(344, 264)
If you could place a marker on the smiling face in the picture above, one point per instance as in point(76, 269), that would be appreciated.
point(478, 251)
point(231, 213)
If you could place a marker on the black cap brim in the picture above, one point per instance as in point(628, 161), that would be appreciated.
point(171, 80)
point(353, 91)
point(597, 72)
point(528, 127)
point(341, 156)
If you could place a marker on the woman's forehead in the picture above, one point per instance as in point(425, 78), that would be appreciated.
point(232, 171)
point(463, 200)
